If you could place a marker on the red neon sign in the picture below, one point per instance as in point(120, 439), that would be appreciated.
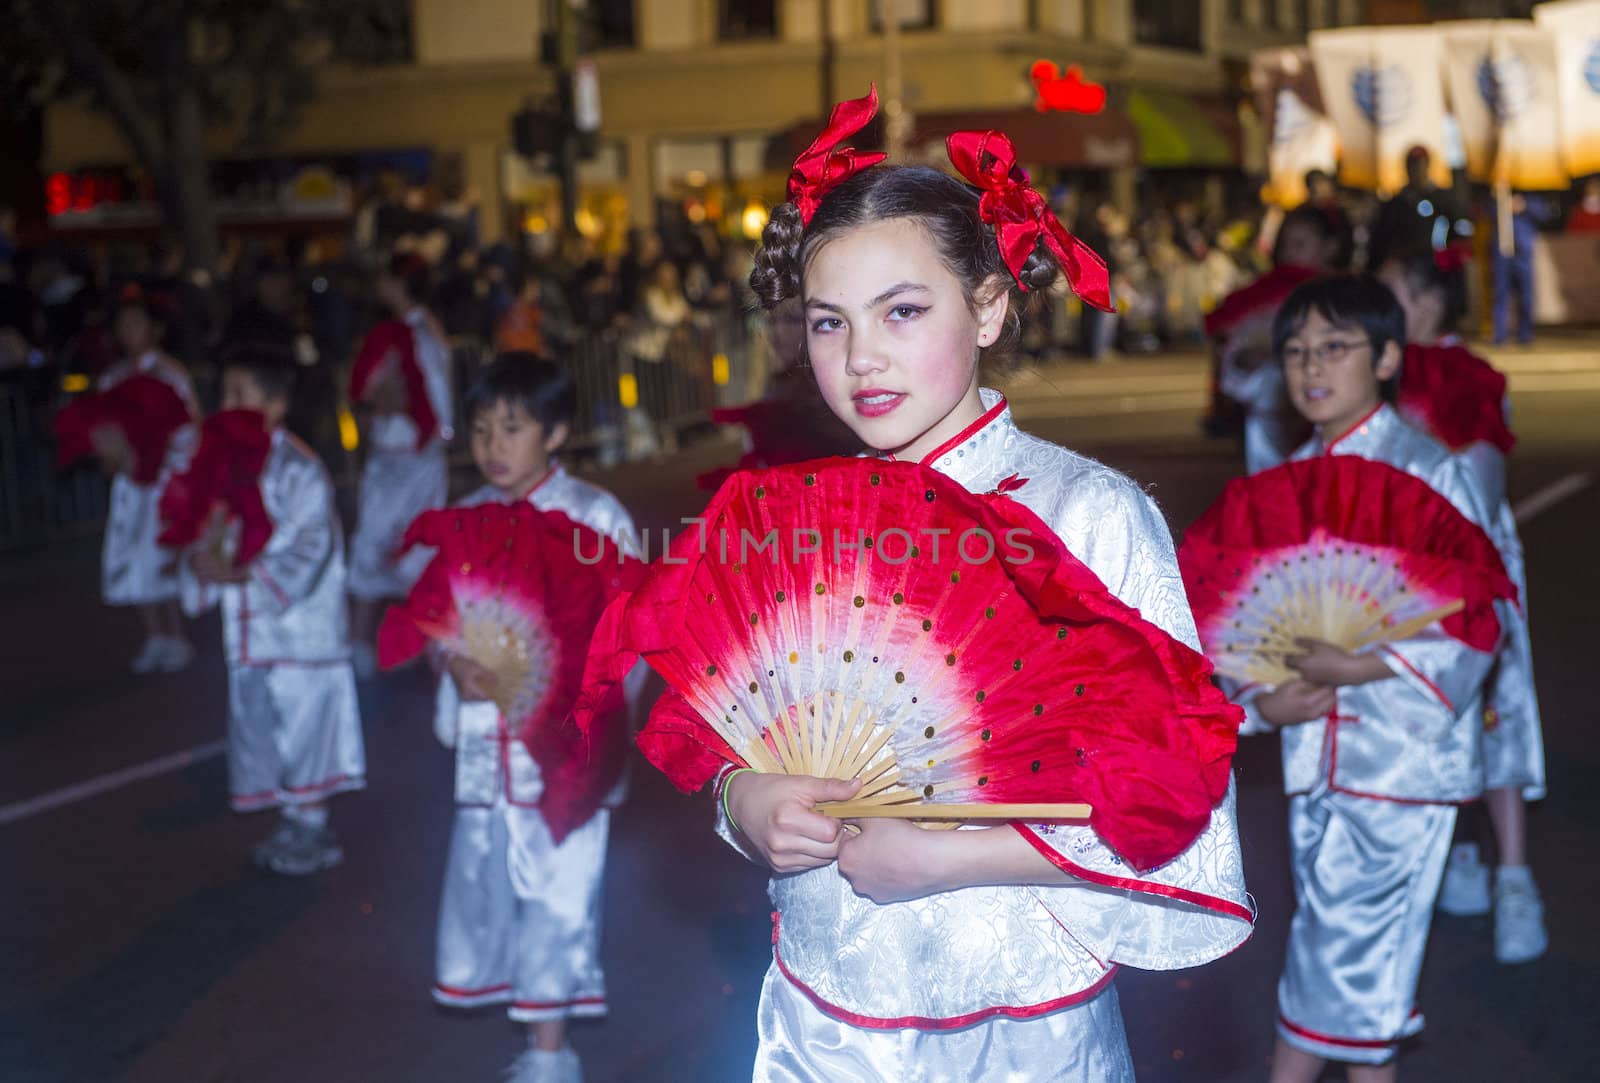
point(1069, 93)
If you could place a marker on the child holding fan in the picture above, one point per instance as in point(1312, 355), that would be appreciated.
point(901, 952)
point(1380, 742)
point(255, 514)
point(1460, 400)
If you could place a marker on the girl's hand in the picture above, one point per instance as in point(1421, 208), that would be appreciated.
point(1295, 702)
point(1323, 663)
point(775, 813)
point(474, 682)
point(892, 860)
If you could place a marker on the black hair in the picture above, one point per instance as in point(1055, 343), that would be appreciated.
point(271, 366)
point(521, 378)
point(943, 205)
point(1329, 224)
point(1344, 301)
point(1426, 269)
point(412, 272)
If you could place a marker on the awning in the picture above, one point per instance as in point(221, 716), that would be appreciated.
point(1178, 129)
point(1103, 140)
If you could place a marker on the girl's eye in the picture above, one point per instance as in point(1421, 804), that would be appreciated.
point(826, 323)
point(906, 312)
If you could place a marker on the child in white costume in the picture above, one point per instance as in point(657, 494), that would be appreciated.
point(519, 919)
point(974, 954)
point(399, 480)
point(1379, 748)
point(1431, 287)
point(294, 725)
point(135, 571)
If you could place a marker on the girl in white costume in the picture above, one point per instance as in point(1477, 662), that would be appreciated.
point(519, 918)
point(905, 954)
point(135, 571)
point(402, 477)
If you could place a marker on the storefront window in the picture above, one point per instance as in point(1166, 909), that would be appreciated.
point(1169, 25)
point(738, 20)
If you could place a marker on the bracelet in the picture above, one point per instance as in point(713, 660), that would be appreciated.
point(726, 782)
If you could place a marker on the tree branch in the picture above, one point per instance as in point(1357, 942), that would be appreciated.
point(110, 86)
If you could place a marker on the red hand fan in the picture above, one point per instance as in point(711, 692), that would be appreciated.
point(519, 592)
point(393, 339)
point(1338, 548)
point(960, 662)
point(1455, 396)
point(225, 472)
point(144, 411)
point(782, 431)
point(1260, 298)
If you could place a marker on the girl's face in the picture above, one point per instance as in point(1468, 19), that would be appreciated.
point(242, 391)
point(1424, 307)
point(1333, 375)
point(135, 330)
point(892, 339)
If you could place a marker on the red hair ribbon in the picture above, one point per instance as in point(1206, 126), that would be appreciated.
point(1020, 216)
point(1451, 258)
point(825, 165)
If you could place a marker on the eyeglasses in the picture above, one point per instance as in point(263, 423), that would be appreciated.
point(1325, 354)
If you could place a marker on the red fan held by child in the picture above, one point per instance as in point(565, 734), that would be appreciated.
point(1455, 396)
point(861, 618)
point(130, 426)
point(218, 499)
point(519, 592)
point(389, 353)
point(1340, 549)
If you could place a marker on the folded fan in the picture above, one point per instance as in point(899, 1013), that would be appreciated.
point(519, 591)
point(224, 474)
point(142, 412)
point(1339, 548)
point(851, 617)
point(391, 343)
point(1455, 396)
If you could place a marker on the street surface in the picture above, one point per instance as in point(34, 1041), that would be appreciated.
point(140, 945)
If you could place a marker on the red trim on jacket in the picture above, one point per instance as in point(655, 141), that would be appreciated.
point(1336, 441)
point(984, 420)
point(1398, 657)
point(922, 1022)
point(1195, 898)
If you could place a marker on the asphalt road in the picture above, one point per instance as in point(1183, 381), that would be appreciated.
point(137, 943)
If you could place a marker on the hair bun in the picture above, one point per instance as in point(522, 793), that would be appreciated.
point(776, 275)
point(1040, 272)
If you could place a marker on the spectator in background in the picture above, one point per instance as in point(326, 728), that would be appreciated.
point(519, 329)
point(269, 315)
point(1421, 215)
point(1585, 217)
point(1513, 272)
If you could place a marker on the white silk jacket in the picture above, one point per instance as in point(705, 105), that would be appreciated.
point(1414, 738)
point(954, 958)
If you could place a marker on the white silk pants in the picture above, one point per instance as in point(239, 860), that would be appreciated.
point(1366, 874)
point(519, 920)
point(799, 1043)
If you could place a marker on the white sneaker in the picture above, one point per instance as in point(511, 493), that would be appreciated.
point(1519, 932)
point(148, 660)
point(546, 1066)
point(1465, 891)
point(176, 655)
point(364, 660)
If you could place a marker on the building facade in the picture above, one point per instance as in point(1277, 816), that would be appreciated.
point(696, 95)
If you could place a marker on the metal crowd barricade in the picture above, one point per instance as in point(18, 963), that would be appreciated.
point(39, 504)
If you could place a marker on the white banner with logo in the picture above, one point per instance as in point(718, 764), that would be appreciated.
point(1300, 137)
point(1503, 90)
point(1575, 27)
point(1384, 91)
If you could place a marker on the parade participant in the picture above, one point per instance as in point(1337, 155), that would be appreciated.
point(1379, 747)
point(135, 571)
point(1313, 240)
point(294, 726)
point(519, 919)
point(1459, 399)
point(909, 278)
point(406, 471)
